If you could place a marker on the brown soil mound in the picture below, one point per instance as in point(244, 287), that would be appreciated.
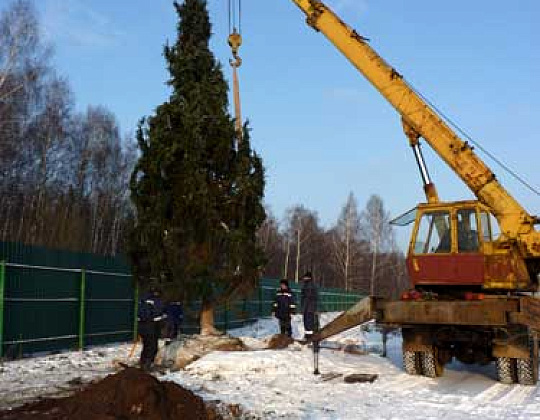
point(128, 395)
point(279, 341)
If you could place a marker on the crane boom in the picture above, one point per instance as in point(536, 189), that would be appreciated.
point(514, 220)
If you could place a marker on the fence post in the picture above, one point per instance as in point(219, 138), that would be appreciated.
point(2, 291)
point(260, 291)
point(135, 309)
point(226, 316)
point(82, 302)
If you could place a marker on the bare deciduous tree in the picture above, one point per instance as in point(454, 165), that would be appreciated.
point(347, 245)
point(378, 232)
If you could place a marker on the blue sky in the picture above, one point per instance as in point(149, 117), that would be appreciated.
point(321, 129)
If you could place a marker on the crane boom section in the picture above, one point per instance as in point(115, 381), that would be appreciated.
point(512, 217)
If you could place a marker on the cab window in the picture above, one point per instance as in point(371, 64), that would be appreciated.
point(486, 227)
point(467, 231)
point(433, 234)
point(495, 229)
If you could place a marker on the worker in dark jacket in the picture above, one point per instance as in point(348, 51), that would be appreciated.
point(150, 316)
point(284, 307)
point(309, 304)
point(175, 316)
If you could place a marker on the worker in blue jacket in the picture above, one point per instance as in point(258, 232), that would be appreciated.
point(150, 316)
point(284, 307)
point(175, 316)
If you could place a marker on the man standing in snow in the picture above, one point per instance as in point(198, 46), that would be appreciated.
point(149, 315)
point(284, 307)
point(309, 303)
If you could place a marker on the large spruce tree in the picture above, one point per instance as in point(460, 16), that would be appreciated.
point(197, 190)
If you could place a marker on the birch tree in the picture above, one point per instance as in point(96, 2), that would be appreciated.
point(376, 229)
point(347, 245)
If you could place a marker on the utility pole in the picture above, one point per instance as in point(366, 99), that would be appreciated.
point(296, 274)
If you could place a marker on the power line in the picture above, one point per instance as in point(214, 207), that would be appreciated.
point(498, 161)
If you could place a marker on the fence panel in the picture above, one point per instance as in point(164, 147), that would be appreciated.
point(39, 304)
point(109, 307)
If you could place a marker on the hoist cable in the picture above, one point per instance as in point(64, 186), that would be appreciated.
point(240, 16)
point(229, 15)
point(494, 158)
point(235, 15)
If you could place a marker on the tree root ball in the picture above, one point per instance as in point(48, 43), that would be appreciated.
point(180, 353)
point(279, 341)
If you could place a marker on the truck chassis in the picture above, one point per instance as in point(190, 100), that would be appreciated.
point(498, 328)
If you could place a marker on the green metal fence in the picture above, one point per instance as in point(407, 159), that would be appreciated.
point(259, 304)
point(54, 300)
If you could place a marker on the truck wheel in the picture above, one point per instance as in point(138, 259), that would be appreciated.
point(506, 370)
point(525, 372)
point(527, 369)
point(431, 366)
point(411, 362)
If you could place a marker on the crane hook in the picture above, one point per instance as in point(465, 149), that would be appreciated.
point(235, 41)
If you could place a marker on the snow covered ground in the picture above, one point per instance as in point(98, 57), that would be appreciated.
point(280, 384)
point(56, 374)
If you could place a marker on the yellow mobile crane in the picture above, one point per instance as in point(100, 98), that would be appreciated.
point(470, 300)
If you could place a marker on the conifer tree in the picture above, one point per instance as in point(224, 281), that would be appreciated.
point(197, 190)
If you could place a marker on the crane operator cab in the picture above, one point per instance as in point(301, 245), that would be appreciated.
point(456, 244)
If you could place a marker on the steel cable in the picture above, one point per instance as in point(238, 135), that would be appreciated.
point(498, 161)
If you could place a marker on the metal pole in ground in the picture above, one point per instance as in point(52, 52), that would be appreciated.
point(82, 309)
point(316, 347)
point(2, 291)
point(316, 351)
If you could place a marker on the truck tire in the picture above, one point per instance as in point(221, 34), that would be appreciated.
point(411, 362)
point(525, 372)
point(431, 366)
point(527, 369)
point(506, 370)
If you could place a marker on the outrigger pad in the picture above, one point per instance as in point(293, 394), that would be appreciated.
point(360, 377)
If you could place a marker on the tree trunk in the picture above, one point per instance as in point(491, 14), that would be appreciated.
point(347, 254)
point(373, 269)
point(297, 272)
point(207, 319)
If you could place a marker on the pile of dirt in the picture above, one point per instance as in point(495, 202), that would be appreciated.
point(186, 350)
point(279, 341)
point(128, 395)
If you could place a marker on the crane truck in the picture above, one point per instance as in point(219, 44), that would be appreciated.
point(471, 295)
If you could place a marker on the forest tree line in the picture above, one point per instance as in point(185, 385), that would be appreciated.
point(358, 253)
point(64, 174)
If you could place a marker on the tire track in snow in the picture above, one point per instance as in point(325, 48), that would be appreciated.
point(517, 395)
point(489, 395)
point(403, 382)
